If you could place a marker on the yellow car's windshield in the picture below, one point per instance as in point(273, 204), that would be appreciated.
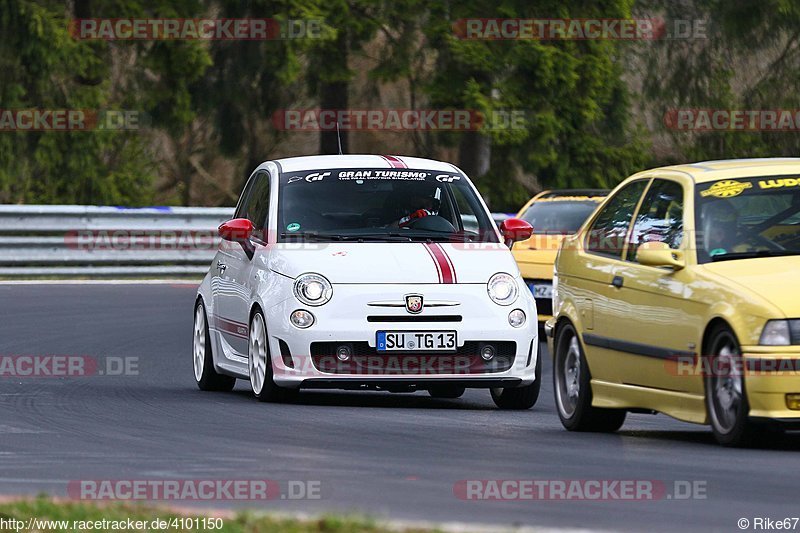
point(744, 218)
point(558, 217)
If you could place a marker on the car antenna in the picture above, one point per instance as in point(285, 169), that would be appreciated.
point(339, 137)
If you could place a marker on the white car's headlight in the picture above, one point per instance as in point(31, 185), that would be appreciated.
point(313, 289)
point(780, 333)
point(502, 288)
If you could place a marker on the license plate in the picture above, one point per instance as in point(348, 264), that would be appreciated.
point(416, 341)
point(541, 290)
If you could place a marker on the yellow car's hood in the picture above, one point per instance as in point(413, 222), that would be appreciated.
point(541, 249)
point(775, 279)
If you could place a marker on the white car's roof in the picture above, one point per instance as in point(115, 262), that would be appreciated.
point(315, 162)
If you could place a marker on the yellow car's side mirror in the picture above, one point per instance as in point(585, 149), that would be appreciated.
point(659, 254)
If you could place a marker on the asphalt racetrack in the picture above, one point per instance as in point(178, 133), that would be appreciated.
point(396, 456)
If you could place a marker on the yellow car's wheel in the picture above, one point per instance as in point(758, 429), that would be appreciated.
point(572, 386)
point(726, 398)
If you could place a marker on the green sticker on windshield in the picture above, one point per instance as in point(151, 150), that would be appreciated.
point(294, 226)
point(718, 251)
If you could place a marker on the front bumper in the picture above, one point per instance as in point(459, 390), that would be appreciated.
point(771, 373)
point(307, 357)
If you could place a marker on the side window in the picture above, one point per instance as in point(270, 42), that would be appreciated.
point(660, 218)
point(465, 211)
point(609, 230)
point(239, 213)
point(256, 206)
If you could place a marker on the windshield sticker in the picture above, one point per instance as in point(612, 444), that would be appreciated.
point(364, 175)
point(726, 189)
point(360, 175)
point(294, 226)
point(316, 176)
point(779, 183)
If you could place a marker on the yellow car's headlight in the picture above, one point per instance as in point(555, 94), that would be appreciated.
point(780, 333)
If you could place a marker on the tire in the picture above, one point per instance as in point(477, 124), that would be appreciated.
point(726, 396)
point(259, 365)
point(573, 390)
point(205, 376)
point(448, 392)
point(518, 398)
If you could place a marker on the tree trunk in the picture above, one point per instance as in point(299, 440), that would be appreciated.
point(475, 154)
point(333, 95)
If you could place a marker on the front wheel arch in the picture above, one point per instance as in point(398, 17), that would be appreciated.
point(560, 323)
point(742, 431)
point(713, 325)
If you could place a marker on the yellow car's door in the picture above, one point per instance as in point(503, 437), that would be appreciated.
point(654, 319)
point(592, 280)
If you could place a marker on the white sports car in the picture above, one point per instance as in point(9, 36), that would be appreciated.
point(366, 272)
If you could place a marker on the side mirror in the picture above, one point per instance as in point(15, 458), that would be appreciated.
point(515, 229)
point(236, 230)
point(659, 254)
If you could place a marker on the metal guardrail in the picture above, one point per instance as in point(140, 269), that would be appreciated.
point(57, 241)
point(91, 241)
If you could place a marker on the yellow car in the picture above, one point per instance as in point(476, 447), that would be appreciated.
point(553, 215)
point(681, 295)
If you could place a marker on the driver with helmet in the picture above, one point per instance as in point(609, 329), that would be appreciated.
point(721, 230)
point(419, 205)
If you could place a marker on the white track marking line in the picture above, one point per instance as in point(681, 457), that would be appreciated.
point(100, 282)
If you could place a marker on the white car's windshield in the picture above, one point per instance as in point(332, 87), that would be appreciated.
point(743, 218)
point(382, 205)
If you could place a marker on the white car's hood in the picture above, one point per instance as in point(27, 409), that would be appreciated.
point(393, 262)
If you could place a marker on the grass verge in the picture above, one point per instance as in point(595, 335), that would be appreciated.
point(45, 514)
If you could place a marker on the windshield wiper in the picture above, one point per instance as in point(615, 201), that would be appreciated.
point(753, 254)
point(435, 236)
point(318, 236)
point(312, 236)
point(377, 236)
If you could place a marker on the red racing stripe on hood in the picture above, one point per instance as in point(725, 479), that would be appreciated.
point(435, 262)
point(394, 161)
point(444, 265)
